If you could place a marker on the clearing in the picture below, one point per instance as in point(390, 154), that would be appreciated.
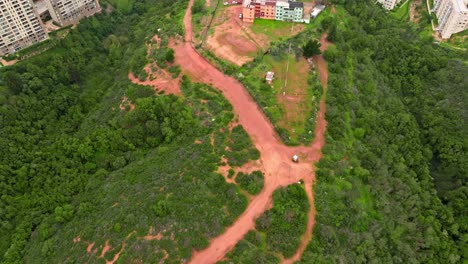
point(238, 42)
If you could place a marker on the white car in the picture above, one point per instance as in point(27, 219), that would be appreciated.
point(240, 15)
point(226, 3)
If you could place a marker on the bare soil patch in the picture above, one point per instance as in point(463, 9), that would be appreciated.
point(160, 80)
point(126, 103)
point(415, 16)
point(232, 40)
point(150, 235)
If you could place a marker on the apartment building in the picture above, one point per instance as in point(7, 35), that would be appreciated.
point(452, 16)
point(67, 12)
point(389, 4)
point(283, 10)
point(20, 26)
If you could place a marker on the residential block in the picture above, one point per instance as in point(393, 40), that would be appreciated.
point(283, 10)
point(452, 16)
point(389, 4)
point(20, 26)
point(67, 12)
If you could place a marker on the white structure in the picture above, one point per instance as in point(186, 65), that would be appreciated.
point(295, 158)
point(269, 76)
point(452, 16)
point(20, 26)
point(316, 11)
point(389, 4)
point(67, 12)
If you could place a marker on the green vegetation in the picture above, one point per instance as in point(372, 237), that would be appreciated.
point(252, 183)
point(236, 146)
point(251, 249)
point(278, 230)
point(401, 12)
point(74, 165)
point(311, 48)
point(274, 30)
point(392, 180)
point(285, 223)
point(124, 6)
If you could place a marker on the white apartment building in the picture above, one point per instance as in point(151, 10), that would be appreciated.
point(452, 16)
point(389, 4)
point(67, 12)
point(20, 26)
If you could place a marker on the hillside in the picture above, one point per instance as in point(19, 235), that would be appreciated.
point(95, 168)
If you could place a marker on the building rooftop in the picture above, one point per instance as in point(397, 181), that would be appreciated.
point(41, 6)
point(296, 5)
point(320, 7)
point(460, 5)
point(269, 76)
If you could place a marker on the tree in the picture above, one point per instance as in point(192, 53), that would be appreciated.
point(311, 48)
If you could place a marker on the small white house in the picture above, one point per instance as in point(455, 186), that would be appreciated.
point(269, 76)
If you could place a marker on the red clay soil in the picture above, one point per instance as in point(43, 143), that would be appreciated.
point(116, 256)
point(149, 236)
point(105, 249)
point(161, 81)
point(275, 158)
point(232, 40)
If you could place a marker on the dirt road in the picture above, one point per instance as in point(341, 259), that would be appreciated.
point(275, 158)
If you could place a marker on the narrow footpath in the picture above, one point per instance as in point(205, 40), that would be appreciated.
point(275, 158)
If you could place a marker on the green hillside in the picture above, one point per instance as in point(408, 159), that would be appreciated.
point(83, 181)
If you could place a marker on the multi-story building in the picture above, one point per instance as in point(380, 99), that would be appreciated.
point(283, 10)
point(452, 16)
point(389, 4)
point(20, 26)
point(67, 12)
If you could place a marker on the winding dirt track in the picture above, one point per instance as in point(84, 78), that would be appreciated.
point(275, 158)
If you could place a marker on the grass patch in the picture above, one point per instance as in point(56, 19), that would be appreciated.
point(124, 6)
point(402, 13)
point(294, 112)
point(275, 30)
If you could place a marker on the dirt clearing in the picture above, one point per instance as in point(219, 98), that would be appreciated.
point(239, 42)
point(160, 80)
point(232, 41)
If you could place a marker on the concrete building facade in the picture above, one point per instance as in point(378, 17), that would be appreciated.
point(67, 12)
point(389, 4)
point(20, 26)
point(452, 16)
point(283, 10)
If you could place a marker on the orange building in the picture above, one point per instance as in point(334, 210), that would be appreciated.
point(248, 12)
point(268, 10)
point(252, 9)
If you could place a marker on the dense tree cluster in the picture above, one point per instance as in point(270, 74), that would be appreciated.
point(58, 128)
point(392, 183)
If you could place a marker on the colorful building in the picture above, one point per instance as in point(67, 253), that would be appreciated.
point(283, 10)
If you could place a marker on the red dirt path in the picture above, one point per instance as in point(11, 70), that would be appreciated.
point(275, 159)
